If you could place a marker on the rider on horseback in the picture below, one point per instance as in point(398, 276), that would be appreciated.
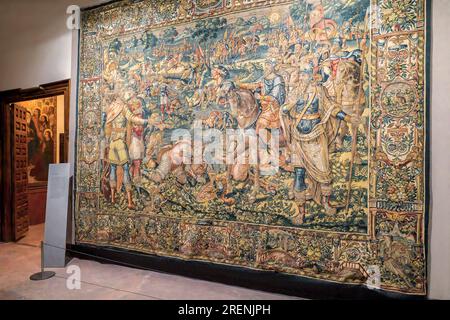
point(224, 85)
point(271, 94)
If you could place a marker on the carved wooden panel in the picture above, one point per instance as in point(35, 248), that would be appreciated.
point(21, 219)
point(37, 198)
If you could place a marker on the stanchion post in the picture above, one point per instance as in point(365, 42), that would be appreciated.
point(43, 275)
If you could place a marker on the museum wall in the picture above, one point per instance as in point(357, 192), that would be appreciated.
point(35, 45)
point(439, 270)
point(41, 50)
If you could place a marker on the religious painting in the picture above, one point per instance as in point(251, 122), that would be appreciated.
point(41, 137)
point(281, 135)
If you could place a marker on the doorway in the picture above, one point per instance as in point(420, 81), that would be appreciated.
point(35, 126)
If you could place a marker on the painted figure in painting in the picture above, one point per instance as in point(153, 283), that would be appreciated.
point(48, 146)
point(41, 132)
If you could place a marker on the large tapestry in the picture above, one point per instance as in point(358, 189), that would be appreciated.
point(276, 135)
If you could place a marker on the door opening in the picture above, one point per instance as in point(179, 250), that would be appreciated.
point(35, 123)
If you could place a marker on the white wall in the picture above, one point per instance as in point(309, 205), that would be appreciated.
point(37, 48)
point(35, 44)
point(439, 270)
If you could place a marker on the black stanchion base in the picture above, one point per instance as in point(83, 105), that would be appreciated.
point(44, 275)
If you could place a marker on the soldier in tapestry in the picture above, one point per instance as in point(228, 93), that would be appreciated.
point(262, 71)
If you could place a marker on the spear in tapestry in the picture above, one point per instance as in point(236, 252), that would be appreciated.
point(356, 107)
